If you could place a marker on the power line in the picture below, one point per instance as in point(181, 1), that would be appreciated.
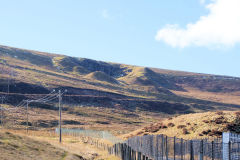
point(47, 98)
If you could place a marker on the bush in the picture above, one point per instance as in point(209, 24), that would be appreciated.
point(185, 131)
point(188, 124)
point(181, 126)
point(215, 133)
point(192, 129)
point(164, 126)
point(206, 132)
point(206, 121)
point(140, 132)
point(234, 126)
point(219, 120)
point(219, 113)
point(237, 114)
point(154, 128)
point(171, 125)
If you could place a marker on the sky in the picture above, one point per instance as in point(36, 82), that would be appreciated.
point(189, 35)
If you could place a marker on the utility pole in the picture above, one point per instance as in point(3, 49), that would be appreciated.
point(60, 115)
point(27, 115)
point(2, 112)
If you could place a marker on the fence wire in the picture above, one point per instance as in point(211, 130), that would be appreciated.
point(161, 147)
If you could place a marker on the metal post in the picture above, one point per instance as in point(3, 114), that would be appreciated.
point(60, 116)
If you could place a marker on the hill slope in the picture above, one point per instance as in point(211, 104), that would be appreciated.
point(130, 87)
point(17, 147)
point(197, 125)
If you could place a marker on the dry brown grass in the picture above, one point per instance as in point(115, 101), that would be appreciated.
point(71, 145)
point(228, 98)
point(96, 118)
point(14, 146)
point(190, 126)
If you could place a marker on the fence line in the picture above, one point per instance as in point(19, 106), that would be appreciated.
point(161, 147)
point(104, 135)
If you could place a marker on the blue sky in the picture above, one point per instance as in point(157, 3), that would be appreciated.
point(139, 32)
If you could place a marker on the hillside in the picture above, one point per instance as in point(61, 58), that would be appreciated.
point(23, 148)
point(117, 94)
point(194, 126)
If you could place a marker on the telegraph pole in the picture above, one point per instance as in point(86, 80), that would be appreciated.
point(27, 115)
point(2, 112)
point(60, 116)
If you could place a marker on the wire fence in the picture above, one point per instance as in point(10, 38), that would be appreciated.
point(161, 147)
point(103, 135)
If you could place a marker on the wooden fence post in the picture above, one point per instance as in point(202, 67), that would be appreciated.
point(156, 148)
point(166, 139)
point(122, 151)
point(162, 146)
point(174, 148)
point(191, 151)
point(201, 150)
point(133, 155)
point(139, 156)
point(229, 150)
point(125, 152)
point(143, 158)
point(181, 149)
point(212, 150)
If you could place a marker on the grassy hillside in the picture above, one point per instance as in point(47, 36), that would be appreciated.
point(107, 96)
point(198, 125)
point(101, 76)
point(23, 148)
point(129, 95)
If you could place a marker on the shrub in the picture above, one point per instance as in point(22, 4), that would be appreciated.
point(171, 125)
point(237, 114)
point(206, 132)
point(219, 113)
point(219, 120)
point(164, 126)
point(215, 133)
point(181, 126)
point(185, 131)
point(192, 129)
point(140, 132)
point(234, 126)
point(188, 124)
point(206, 121)
point(154, 128)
